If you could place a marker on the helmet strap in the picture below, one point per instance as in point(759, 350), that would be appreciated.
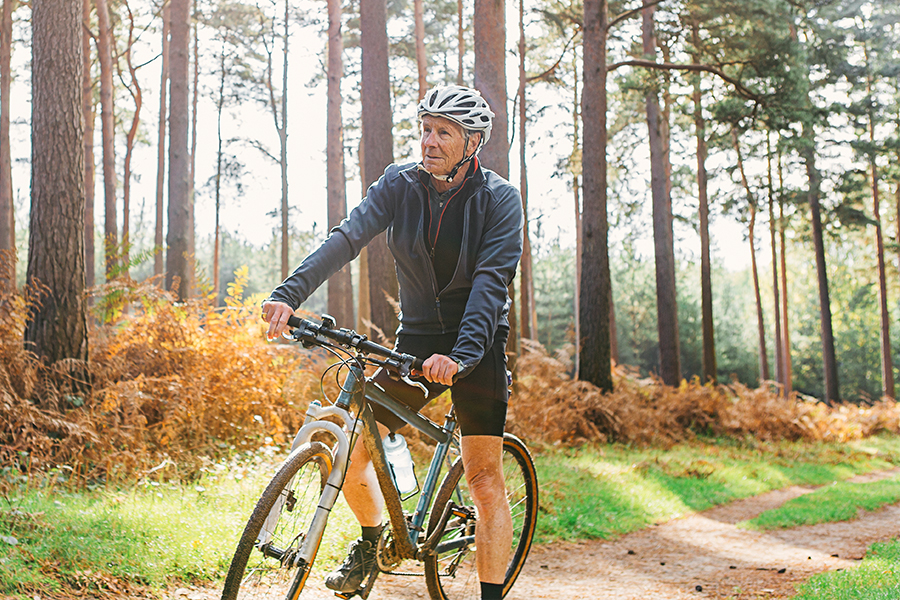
point(449, 176)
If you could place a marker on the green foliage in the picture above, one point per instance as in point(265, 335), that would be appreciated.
point(149, 534)
point(876, 578)
point(840, 501)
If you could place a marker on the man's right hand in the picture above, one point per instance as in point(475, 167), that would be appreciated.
point(276, 315)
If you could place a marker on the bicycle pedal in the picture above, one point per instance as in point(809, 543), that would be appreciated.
point(346, 595)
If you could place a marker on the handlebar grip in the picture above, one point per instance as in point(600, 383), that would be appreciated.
point(294, 321)
point(417, 364)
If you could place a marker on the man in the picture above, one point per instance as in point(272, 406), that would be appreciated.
point(455, 231)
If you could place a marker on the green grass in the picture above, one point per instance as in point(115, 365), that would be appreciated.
point(148, 534)
point(605, 491)
point(162, 534)
point(876, 578)
point(841, 501)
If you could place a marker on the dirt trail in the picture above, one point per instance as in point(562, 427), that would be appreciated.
point(699, 556)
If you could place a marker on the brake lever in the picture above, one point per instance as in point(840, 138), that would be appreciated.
point(404, 369)
point(405, 379)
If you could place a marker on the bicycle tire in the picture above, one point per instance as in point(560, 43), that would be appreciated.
point(254, 575)
point(452, 575)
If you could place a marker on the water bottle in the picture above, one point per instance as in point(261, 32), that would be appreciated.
point(397, 453)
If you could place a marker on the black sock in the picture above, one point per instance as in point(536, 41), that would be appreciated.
point(371, 534)
point(491, 591)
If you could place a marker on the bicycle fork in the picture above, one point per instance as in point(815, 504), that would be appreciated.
point(313, 424)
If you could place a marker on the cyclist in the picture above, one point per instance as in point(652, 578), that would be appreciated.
point(455, 231)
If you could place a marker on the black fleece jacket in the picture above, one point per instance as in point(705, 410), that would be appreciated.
point(475, 301)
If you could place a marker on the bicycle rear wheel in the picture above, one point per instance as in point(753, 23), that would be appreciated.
point(450, 573)
point(264, 564)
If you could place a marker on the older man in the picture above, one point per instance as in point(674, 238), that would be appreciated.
point(455, 231)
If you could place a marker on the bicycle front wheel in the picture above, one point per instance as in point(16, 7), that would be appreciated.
point(450, 573)
point(265, 563)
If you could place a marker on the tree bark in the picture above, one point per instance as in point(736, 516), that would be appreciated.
point(180, 235)
point(159, 251)
point(7, 206)
point(87, 111)
point(490, 80)
point(785, 322)
point(137, 96)
point(379, 153)
point(594, 364)
point(282, 137)
point(779, 359)
point(710, 370)
point(751, 201)
point(887, 365)
point(421, 57)
point(460, 42)
point(107, 132)
point(576, 192)
point(57, 327)
point(663, 239)
point(526, 293)
point(829, 360)
point(195, 94)
point(340, 285)
point(220, 104)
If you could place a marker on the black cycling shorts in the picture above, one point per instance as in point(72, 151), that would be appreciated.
point(480, 398)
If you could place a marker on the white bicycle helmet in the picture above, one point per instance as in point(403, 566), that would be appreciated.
point(464, 106)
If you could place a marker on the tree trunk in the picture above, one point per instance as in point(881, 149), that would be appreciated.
point(282, 137)
point(667, 304)
point(421, 57)
point(87, 110)
point(594, 365)
point(220, 104)
point(57, 327)
point(489, 23)
point(576, 192)
point(829, 360)
point(779, 360)
point(529, 316)
point(710, 370)
point(107, 128)
point(751, 201)
point(159, 251)
point(195, 94)
point(340, 285)
point(490, 80)
point(7, 206)
point(785, 324)
point(887, 365)
point(460, 42)
point(180, 235)
point(137, 96)
point(379, 153)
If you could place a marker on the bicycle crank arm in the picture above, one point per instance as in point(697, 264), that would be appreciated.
point(456, 544)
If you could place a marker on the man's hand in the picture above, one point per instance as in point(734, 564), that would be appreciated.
point(440, 369)
point(276, 315)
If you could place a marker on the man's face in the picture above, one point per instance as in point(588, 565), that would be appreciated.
point(443, 144)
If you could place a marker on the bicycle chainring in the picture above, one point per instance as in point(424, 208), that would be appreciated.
point(387, 553)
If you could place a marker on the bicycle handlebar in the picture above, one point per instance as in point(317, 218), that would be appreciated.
point(310, 333)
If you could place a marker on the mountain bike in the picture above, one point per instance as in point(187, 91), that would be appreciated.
point(278, 547)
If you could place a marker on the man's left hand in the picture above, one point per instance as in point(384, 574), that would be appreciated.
point(440, 369)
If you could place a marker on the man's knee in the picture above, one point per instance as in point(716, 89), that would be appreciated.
point(486, 486)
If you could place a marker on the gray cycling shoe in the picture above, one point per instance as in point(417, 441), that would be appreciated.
point(356, 567)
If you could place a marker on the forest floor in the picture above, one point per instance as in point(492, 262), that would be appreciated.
point(703, 555)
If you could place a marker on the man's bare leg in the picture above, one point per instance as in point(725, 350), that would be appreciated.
point(483, 461)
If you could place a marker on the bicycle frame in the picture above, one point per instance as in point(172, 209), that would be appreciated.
point(352, 401)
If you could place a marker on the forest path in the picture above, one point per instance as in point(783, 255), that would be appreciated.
point(703, 555)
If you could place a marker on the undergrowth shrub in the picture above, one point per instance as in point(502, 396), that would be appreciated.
point(549, 405)
point(175, 386)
